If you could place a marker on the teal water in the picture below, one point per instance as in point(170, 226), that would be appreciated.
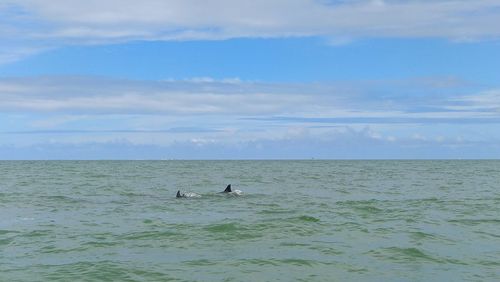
point(296, 221)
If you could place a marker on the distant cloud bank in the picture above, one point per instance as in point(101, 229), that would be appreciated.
point(436, 99)
point(95, 117)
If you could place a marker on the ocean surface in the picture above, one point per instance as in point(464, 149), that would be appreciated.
point(295, 221)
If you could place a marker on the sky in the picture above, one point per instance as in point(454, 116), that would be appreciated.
point(262, 79)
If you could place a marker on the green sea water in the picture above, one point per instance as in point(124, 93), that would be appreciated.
point(295, 221)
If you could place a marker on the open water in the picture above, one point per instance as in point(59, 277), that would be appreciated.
point(295, 221)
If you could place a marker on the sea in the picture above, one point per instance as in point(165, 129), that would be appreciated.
point(303, 220)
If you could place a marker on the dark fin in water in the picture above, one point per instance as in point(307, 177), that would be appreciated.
point(228, 189)
point(178, 194)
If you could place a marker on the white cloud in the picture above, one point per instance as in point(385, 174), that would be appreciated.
point(89, 95)
point(110, 20)
point(208, 117)
point(32, 26)
point(206, 96)
point(9, 54)
point(486, 101)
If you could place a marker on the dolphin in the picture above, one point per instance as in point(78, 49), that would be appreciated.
point(179, 195)
point(228, 189)
point(187, 195)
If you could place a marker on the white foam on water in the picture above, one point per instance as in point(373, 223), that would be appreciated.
point(236, 193)
point(191, 195)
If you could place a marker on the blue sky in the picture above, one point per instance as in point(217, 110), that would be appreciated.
point(249, 80)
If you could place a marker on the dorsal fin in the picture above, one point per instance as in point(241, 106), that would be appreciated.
point(228, 189)
point(178, 194)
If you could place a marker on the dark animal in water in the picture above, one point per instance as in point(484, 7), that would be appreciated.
point(228, 189)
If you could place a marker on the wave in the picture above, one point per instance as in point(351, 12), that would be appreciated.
point(307, 218)
point(65, 199)
point(411, 254)
point(145, 235)
point(475, 221)
point(101, 271)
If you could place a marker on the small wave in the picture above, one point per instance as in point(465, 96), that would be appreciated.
point(37, 233)
point(410, 252)
point(298, 262)
point(488, 263)
point(475, 221)
point(278, 262)
point(60, 198)
point(4, 232)
point(133, 194)
point(368, 209)
point(200, 262)
point(293, 244)
point(327, 250)
point(7, 239)
point(100, 244)
point(259, 262)
point(148, 235)
point(488, 234)
point(55, 250)
point(275, 211)
point(96, 175)
point(226, 227)
point(102, 271)
point(418, 235)
point(307, 218)
point(403, 254)
point(233, 231)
